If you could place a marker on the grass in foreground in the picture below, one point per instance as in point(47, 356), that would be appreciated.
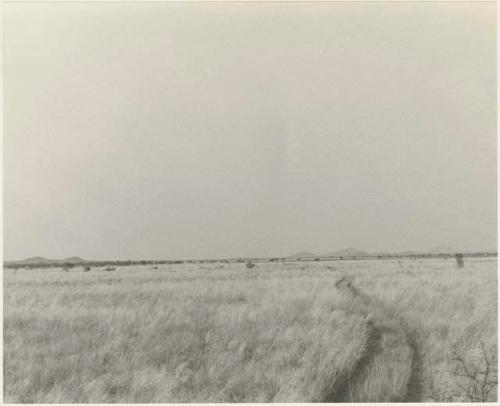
point(212, 333)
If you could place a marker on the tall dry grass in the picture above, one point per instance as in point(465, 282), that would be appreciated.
point(175, 335)
point(273, 333)
point(446, 309)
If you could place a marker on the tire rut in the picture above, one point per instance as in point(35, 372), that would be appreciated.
point(378, 334)
point(415, 383)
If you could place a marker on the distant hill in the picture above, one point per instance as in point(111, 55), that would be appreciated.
point(303, 254)
point(34, 260)
point(347, 252)
point(409, 253)
point(73, 259)
point(443, 249)
point(42, 260)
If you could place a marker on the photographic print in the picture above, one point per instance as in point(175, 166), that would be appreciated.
point(245, 202)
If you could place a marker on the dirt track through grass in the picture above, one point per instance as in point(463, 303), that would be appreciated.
point(390, 369)
point(415, 384)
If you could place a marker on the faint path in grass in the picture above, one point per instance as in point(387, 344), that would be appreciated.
point(391, 343)
point(416, 382)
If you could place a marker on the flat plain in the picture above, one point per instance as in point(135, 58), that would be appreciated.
point(337, 331)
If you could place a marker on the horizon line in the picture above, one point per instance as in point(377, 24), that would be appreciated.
point(292, 256)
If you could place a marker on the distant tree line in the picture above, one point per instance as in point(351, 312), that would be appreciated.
point(92, 264)
point(69, 265)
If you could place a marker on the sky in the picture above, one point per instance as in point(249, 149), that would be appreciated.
point(190, 130)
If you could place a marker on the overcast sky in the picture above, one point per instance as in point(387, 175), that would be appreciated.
point(219, 130)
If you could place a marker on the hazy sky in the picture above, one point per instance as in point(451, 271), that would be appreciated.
point(219, 130)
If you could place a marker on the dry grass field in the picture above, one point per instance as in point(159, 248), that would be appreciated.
point(381, 330)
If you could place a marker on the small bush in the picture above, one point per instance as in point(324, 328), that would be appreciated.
point(475, 372)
